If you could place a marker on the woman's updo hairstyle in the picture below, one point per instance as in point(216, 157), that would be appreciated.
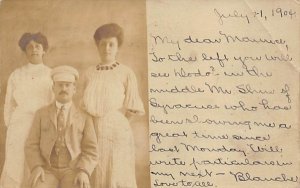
point(36, 37)
point(109, 30)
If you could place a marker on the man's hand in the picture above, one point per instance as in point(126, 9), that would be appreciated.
point(37, 173)
point(82, 179)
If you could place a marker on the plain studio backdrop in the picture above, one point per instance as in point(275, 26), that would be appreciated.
point(69, 27)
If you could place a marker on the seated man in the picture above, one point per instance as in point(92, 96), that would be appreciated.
point(61, 149)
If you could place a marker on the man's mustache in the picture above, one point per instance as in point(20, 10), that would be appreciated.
point(63, 92)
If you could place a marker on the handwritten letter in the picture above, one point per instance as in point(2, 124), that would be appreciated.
point(224, 93)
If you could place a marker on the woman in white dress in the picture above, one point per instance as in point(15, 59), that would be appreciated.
point(29, 88)
point(111, 96)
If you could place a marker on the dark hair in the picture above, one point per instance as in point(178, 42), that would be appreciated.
point(109, 30)
point(36, 37)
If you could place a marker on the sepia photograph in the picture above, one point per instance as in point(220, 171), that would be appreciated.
point(73, 94)
point(157, 93)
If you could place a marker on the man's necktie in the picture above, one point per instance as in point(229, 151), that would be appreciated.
point(60, 129)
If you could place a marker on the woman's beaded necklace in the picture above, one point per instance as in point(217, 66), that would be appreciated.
point(100, 67)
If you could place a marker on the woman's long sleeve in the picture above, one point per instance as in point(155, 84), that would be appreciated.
point(10, 104)
point(81, 89)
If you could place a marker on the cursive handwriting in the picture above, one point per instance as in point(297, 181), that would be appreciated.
point(242, 177)
point(235, 14)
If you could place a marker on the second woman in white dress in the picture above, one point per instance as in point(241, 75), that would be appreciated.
point(29, 88)
point(110, 96)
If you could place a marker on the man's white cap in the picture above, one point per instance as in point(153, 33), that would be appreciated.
point(64, 73)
